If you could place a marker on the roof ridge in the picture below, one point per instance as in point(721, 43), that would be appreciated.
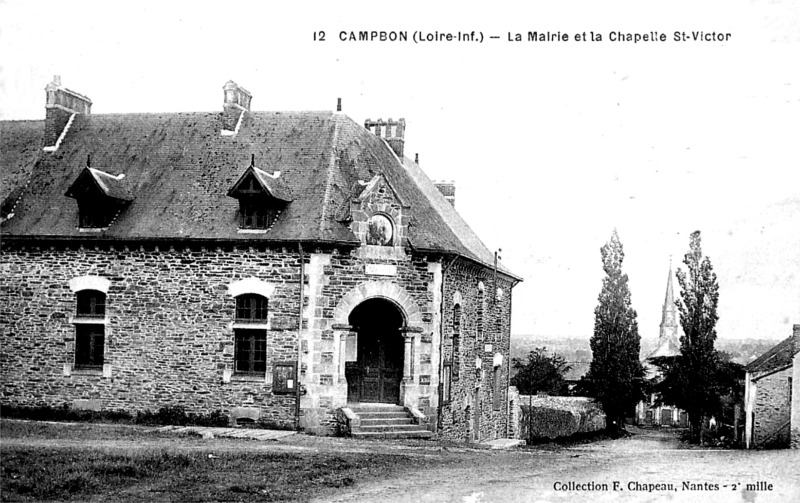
point(443, 206)
point(769, 354)
point(329, 175)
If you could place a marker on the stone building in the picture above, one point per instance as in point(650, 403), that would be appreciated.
point(650, 413)
point(283, 267)
point(771, 402)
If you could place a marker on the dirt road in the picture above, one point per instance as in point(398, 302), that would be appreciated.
point(652, 465)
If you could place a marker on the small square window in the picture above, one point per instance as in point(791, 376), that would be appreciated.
point(251, 308)
point(91, 303)
point(255, 213)
point(95, 214)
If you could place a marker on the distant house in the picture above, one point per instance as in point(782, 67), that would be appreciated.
point(575, 373)
point(288, 268)
point(649, 413)
point(772, 402)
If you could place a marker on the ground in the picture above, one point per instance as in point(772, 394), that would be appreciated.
point(101, 463)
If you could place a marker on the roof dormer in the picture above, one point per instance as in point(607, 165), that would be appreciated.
point(100, 196)
point(262, 196)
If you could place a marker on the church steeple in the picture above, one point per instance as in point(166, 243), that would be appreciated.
point(669, 324)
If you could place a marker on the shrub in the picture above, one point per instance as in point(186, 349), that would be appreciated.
point(64, 413)
point(168, 415)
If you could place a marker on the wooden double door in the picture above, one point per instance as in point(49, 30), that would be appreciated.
point(376, 374)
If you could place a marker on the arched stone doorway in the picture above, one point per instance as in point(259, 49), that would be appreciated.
point(376, 374)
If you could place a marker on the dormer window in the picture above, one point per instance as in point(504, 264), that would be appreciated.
point(93, 213)
point(255, 213)
point(100, 196)
point(261, 198)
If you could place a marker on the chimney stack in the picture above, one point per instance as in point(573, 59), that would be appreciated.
point(448, 190)
point(338, 104)
point(395, 133)
point(237, 100)
point(62, 104)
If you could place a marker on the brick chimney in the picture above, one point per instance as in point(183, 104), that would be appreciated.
point(448, 190)
point(395, 133)
point(61, 105)
point(237, 100)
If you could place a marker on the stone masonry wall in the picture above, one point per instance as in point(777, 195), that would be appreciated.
point(368, 271)
point(168, 338)
point(772, 410)
point(484, 333)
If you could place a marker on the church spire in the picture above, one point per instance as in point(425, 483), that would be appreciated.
point(669, 325)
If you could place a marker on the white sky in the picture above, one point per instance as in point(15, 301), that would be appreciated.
point(551, 145)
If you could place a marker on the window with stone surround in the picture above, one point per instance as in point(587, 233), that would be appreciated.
point(250, 344)
point(89, 346)
point(250, 348)
point(90, 335)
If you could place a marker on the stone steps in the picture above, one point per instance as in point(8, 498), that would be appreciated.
point(392, 434)
point(386, 421)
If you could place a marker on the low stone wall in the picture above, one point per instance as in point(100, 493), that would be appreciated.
point(548, 417)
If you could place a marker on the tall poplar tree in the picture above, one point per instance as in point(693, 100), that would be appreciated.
point(616, 376)
point(696, 371)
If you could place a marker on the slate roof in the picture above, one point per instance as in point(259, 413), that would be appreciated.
point(778, 357)
point(20, 146)
point(178, 169)
point(666, 347)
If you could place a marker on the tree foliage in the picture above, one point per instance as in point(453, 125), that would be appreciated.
point(616, 376)
point(695, 380)
point(540, 373)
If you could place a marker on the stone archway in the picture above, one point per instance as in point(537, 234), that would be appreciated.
point(382, 289)
point(391, 298)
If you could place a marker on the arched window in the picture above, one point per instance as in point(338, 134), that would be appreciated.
point(250, 344)
point(456, 341)
point(481, 313)
point(498, 324)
